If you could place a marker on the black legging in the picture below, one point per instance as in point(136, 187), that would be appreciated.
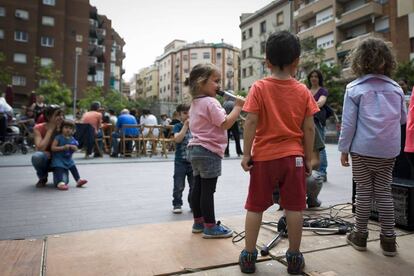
point(410, 157)
point(202, 198)
point(234, 130)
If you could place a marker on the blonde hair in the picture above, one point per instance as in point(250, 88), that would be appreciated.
point(199, 76)
point(372, 56)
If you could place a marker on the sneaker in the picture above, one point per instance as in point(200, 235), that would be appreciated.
point(217, 231)
point(247, 261)
point(296, 262)
point(313, 203)
point(388, 245)
point(41, 183)
point(81, 182)
point(198, 227)
point(358, 240)
point(177, 210)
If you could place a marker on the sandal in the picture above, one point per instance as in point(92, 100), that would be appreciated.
point(62, 186)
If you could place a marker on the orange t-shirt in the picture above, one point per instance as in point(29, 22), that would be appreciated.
point(93, 118)
point(282, 106)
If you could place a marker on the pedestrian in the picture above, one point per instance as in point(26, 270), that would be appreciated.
point(208, 125)
point(374, 110)
point(44, 134)
point(233, 130)
point(63, 147)
point(320, 94)
point(94, 118)
point(409, 140)
point(182, 167)
point(278, 143)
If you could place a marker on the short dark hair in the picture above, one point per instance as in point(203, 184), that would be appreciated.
point(320, 77)
point(95, 106)
point(282, 48)
point(182, 107)
point(68, 123)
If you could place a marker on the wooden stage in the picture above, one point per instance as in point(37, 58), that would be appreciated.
point(171, 249)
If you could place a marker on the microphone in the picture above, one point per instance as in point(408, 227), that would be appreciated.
point(227, 93)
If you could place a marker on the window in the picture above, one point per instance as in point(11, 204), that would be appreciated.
point(43, 82)
point(48, 21)
point(185, 57)
point(218, 56)
point(323, 16)
point(49, 2)
point(250, 32)
point(47, 41)
point(193, 55)
point(263, 27)
point(244, 72)
point(250, 71)
point(244, 54)
point(382, 25)
point(20, 58)
point(19, 81)
point(206, 55)
point(280, 18)
point(2, 11)
point(250, 51)
point(1, 34)
point(21, 36)
point(325, 41)
point(22, 14)
point(244, 35)
point(262, 47)
point(79, 38)
point(46, 61)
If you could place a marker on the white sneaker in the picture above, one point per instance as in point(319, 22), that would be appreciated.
point(177, 210)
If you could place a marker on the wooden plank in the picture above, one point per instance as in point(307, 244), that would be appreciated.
point(348, 261)
point(138, 250)
point(20, 257)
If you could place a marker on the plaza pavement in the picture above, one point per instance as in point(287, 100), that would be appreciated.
point(122, 192)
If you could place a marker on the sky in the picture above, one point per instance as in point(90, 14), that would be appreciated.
point(147, 26)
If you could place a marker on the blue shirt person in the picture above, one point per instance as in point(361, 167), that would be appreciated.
point(124, 119)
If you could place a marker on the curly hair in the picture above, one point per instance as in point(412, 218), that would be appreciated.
point(372, 56)
point(199, 76)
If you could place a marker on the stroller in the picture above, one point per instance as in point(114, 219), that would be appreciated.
point(13, 141)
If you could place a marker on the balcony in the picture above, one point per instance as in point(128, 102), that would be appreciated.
point(362, 13)
point(92, 61)
point(318, 30)
point(98, 51)
point(100, 33)
point(100, 66)
point(347, 45)
point(93, 24)
point(309, 10)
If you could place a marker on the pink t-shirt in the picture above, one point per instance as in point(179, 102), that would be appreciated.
point(206, 117)
point(409, 136)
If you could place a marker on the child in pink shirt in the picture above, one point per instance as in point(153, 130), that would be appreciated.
point(409, 138)
point(208, 125)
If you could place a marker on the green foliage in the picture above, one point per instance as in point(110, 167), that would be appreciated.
point(334, 85)
point(5, 71)
point(405, 70)
point(54, 91)
point(92, 94)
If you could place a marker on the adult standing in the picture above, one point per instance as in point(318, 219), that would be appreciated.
point(320, 94)
point(38, 106)
point(228, 105)
point(43, 138)
point(94, 118)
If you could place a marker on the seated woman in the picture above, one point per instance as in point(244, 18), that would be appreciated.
point(44, 134)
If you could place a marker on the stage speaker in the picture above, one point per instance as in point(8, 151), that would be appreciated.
point(403, 195)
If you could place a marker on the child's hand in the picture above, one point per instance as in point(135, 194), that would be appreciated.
point(344, 159)
point(239, 101)
point(308, 168)
point(187, 123)
point(247, 163)
point(66, 147)
point(73, 147)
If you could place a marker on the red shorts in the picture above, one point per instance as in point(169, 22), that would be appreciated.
point(288, 173)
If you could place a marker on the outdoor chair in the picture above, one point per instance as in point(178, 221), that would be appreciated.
point(134, 141)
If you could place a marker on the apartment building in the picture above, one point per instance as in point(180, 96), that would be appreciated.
point(144, 84)
point(56, 31)
point(255, 29)
point(337, 25)
point(179, 57)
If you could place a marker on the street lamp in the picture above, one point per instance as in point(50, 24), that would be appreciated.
point(78, 52)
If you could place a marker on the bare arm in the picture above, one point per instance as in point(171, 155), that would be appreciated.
point(321, 102)
point(308, 129)
point(234, 114)
point(178, 137)
point(248, 136)
point(42, 143)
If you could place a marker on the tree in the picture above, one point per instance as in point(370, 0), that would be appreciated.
point(92, 94)
point(405, 70)
point(51, 87)
point(5, 71)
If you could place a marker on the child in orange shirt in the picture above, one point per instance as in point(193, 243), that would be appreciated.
point(278, 140)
